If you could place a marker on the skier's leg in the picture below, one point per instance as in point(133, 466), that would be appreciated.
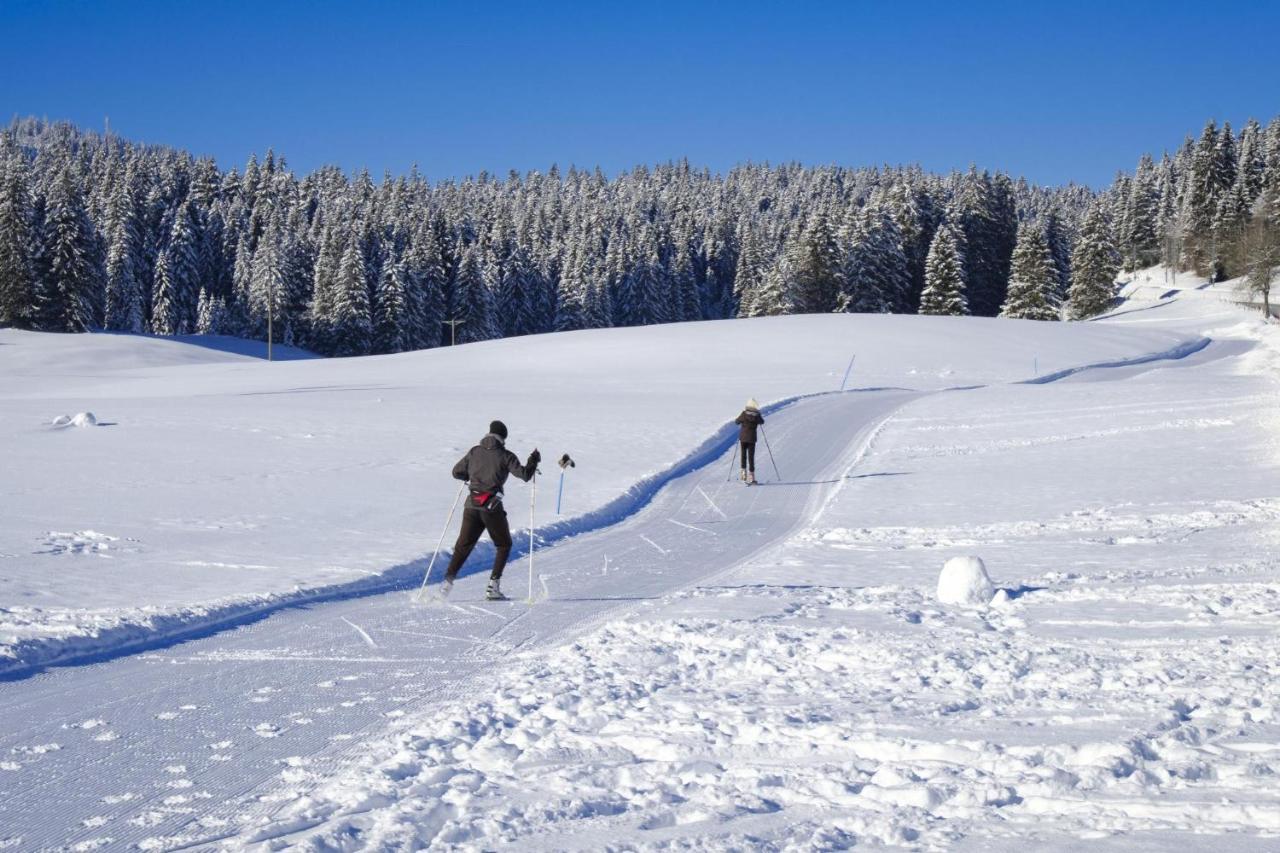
point(468, 536)
point(749, 454)
point(500, 532)
point(742, 474)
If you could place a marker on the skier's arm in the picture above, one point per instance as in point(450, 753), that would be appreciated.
point(461, 471)
point(528, 469)
point(759, 418)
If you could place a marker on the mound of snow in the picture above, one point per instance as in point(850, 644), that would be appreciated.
point(964, 580)
point(80, 419)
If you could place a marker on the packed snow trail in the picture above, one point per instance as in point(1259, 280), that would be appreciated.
point(198, 741)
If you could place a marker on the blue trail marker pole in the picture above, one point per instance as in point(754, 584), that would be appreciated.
point(565, 464)
point(847, 371)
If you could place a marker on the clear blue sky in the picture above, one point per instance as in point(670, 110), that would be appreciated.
point(1062, 91)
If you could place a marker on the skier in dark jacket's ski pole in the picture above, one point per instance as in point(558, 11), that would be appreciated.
point(748, 422)
point(485, 469)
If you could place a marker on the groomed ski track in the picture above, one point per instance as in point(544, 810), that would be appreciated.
point(201, 741)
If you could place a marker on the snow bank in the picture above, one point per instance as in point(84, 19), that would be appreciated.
point(964, 580)
point(80, 419)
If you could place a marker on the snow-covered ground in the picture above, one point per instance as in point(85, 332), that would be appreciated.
point(727, 667)
point(216, 485)
point(1121, 688)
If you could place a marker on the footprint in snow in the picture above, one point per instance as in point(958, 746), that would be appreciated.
point(86, 724)
point(167, 715)
point(176, 768)
point(266, 730)
point(115, 799)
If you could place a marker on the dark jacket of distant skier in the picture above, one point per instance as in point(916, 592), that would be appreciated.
point(485, 469)
point(748, 422)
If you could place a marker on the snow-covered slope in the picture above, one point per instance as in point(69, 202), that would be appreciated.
point(217, 484)
point(722, 668)
point(1121, 689)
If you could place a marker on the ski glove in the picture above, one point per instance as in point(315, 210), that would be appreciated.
point(532, 465)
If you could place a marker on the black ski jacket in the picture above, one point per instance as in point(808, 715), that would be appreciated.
point(486, 466)
point(748, 422)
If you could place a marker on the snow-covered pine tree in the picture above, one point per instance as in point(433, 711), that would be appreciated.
point(17, 238)
point(324, 291)
point(815, 263)
point(774, 296)
point(393, 316)
point(165, 314)
point(1055, 234)
point(1271, 172)
point(1252, 162)
point(185, 265)
point(1033, 280)
point(1206, 182)
point(350, 322)
point(73, 287)
point(748, 278)
point(571, 302)
point(944, 282)
point(125, 301)
point(1138, 232)
point(268, 287)
point(984, 219)
point(640, 300)
point(473, 302)
point(426, 283)
point(1094, 265)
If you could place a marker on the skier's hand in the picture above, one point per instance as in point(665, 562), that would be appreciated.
point(534, 458)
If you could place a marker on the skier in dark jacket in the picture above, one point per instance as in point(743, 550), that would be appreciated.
point(485, 469)
point(748, 422)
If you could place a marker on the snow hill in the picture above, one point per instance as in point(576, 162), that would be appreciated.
point(712, 667)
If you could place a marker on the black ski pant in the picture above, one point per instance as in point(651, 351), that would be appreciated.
point(748, 455)
point(474, 522)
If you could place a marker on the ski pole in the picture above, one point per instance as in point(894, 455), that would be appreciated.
point(533, 490)
point(770, 449)
point(733, 455)
point(427, 577)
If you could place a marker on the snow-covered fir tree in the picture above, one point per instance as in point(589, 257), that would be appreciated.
point(944, 282)
point(72, 289)
point(349, 322)
point(18, 290)
point(1033, 279)
point(1094, 266)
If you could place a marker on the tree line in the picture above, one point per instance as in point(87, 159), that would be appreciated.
point(100, 233)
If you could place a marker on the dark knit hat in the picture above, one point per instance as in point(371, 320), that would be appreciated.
point(499, 429)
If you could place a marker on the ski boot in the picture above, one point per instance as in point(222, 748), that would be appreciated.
point(742, 475)
point(494, 592)
point(751, 478)
point(446, 588)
